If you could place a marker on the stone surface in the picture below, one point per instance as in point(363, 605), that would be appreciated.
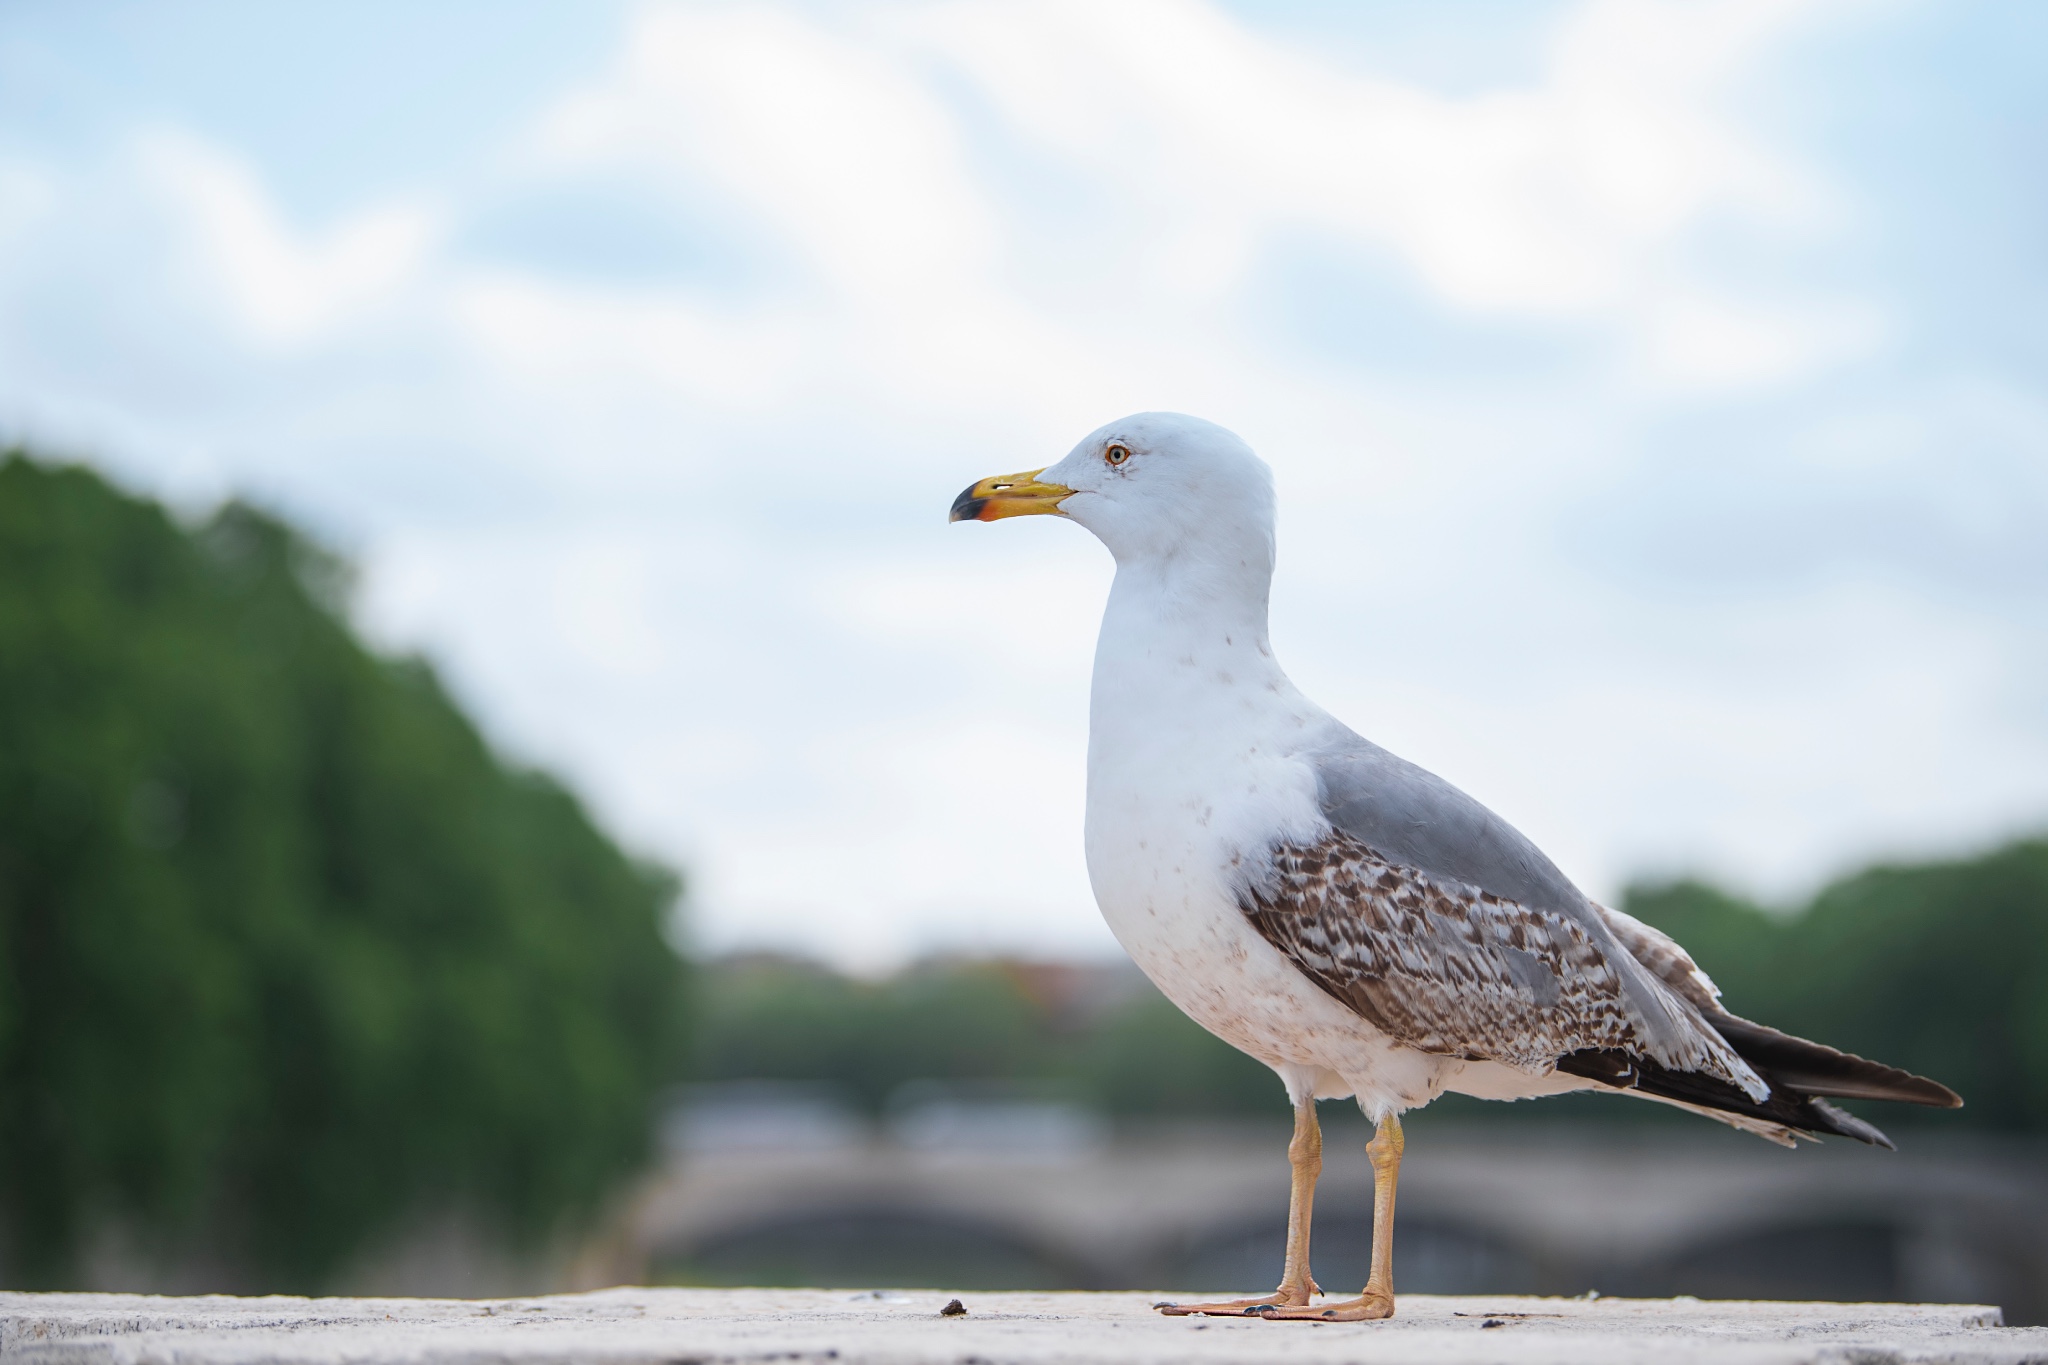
point(673, 1326)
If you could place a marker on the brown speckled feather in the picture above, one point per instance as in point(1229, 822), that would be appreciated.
point(1437, 965)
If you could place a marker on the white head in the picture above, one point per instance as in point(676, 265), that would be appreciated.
point(1157, 488)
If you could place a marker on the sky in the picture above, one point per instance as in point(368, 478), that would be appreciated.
point(1657, 393)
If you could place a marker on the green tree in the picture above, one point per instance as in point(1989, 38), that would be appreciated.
point(287, 954)
point(776, 1018)
point(779, 1018)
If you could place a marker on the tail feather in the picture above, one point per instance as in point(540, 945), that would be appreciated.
point(1798, 1072)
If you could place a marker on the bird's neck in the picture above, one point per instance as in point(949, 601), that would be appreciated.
point(1183, 652)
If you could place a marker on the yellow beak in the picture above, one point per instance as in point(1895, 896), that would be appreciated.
point(1009, 495)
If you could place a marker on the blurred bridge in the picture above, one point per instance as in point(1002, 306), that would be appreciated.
point(1014, 1194)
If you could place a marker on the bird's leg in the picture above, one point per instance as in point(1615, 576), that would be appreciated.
point(1305, 1155)
point(1378, 1299)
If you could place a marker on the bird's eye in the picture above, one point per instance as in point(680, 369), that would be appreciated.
point(1117, 453)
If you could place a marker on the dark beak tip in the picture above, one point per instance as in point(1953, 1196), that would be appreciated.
point(967, 507)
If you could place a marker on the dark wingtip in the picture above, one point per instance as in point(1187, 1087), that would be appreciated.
point(1937, 1095)
point(967, 507)
point(1816, 1069)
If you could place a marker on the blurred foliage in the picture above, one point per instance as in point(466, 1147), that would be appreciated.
point(1942, 969)
point(287, 956)
point(774, 1018)
point(780, 1019)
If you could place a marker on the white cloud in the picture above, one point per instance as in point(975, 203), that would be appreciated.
point(828, 138)
point(1566, 198)
point(1703, 340)
point(282, 285)
point(561, 333)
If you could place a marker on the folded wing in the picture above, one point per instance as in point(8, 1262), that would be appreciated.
point(1434, 894)
point(1449, 931)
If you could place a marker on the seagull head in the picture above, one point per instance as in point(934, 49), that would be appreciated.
point(1153, 486)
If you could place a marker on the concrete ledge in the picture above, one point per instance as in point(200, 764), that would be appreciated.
point(701, 1326)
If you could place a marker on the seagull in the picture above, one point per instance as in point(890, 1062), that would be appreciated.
point(1353, 921)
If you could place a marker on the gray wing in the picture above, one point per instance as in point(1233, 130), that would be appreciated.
point(1416, 819)
point(1444, 926)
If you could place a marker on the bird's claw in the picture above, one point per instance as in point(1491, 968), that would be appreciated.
point(1372, 1307)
